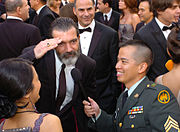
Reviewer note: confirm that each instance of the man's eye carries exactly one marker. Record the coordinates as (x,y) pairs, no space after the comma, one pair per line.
(61,44)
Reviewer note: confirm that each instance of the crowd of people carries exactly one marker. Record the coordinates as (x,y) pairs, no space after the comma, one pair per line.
(89,65)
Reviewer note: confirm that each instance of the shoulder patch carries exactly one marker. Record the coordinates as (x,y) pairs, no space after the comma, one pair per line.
(163,97)
(171,125)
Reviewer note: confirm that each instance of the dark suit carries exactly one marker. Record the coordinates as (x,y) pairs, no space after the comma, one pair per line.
(143,111)
(45,18)
(154,37)
(15,35)
(45,68)
(113,21)
(139,26)
(104,49)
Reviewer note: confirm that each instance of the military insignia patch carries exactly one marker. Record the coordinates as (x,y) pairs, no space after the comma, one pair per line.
(171,125)
(163,97)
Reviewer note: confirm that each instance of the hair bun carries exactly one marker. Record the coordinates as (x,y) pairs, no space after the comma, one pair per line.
(7,108)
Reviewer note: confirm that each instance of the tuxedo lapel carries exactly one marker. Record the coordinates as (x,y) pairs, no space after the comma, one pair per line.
(51,70)
(133,99)
(111,20)
(158,35)
(94,40)
(101,18)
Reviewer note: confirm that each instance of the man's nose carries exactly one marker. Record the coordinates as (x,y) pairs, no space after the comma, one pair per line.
(68,47)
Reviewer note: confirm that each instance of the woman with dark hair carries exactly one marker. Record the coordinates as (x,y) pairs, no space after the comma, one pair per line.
(19,91)
(128,20)
(172,78)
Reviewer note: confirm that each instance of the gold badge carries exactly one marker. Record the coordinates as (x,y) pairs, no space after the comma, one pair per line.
(164,97)
(171,125)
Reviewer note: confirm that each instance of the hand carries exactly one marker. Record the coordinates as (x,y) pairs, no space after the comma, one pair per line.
(44,46)
(91,108)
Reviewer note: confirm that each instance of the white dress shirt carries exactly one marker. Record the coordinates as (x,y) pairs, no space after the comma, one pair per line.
(13,17)
(161,25)
(85,38)
(38,11)
(69,80)
(108,15)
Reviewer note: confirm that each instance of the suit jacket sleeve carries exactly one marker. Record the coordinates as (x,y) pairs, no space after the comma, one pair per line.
(103,124)
(28,53)
(114,53)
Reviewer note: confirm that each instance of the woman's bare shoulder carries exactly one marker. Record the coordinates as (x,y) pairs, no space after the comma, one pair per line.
(51,122)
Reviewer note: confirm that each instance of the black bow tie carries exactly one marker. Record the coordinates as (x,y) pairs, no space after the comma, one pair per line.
(167,28)
(85,29)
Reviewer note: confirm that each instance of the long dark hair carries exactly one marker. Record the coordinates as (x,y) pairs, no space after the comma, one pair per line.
(173,43)
(16,77)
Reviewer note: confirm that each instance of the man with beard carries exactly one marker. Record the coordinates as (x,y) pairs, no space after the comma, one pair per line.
(49,65)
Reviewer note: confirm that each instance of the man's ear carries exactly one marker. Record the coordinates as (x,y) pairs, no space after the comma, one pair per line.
(106,4)
(18,10)
(142,67)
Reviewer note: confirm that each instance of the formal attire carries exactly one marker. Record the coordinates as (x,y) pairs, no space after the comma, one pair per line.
(149,107)
(43,21)
(153,36)
(101,44)
(126,32)
(37,123)
(139,26)
(72,114)
(15,35)
(113,19)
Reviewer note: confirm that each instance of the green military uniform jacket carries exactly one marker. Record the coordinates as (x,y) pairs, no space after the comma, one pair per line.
(150,108)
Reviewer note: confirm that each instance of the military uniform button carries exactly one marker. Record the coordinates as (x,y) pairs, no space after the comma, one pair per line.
(120,124)
(132,126)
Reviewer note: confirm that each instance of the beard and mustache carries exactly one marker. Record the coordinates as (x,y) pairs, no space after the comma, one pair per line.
(69,58)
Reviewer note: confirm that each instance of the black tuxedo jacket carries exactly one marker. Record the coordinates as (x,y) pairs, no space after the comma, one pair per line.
(139,26)
(113,21)
(154,37)
(15,35)
(45,68)
(46,17)
(104,49)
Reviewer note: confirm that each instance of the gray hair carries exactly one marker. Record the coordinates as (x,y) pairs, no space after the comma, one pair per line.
(63,24)
(11,5)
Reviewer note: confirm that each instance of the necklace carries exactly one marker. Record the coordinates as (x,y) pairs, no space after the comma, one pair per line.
(34,111)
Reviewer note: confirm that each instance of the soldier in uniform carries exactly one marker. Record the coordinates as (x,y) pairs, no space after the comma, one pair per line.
(144,106)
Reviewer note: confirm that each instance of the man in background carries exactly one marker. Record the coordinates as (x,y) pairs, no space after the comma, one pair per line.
(145,13)
(107,15)
(15,34)
(155,33)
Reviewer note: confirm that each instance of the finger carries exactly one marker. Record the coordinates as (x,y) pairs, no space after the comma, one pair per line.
(91,100)
(86,102)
